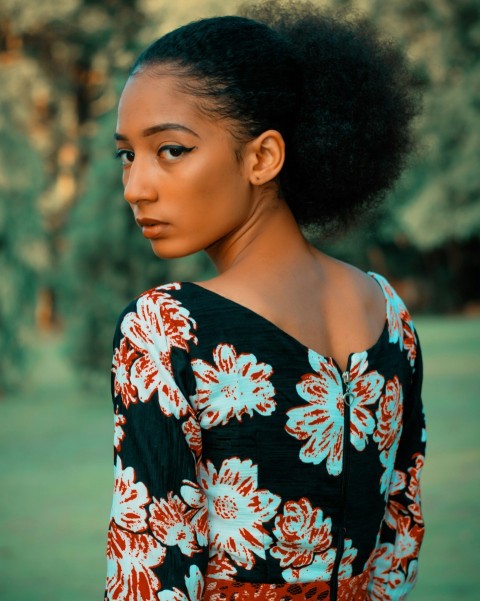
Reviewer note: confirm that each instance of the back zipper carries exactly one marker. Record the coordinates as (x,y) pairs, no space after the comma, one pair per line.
(347,398)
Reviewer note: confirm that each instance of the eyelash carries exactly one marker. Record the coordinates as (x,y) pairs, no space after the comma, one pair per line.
(123,153)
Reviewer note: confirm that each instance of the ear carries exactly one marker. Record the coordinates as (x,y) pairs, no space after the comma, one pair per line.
(264,157)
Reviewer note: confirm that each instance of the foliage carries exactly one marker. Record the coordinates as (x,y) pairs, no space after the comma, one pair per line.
(107,262)
(69,250)
(23,253)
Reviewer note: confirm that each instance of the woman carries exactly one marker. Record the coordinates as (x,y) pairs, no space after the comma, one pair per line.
(269,426)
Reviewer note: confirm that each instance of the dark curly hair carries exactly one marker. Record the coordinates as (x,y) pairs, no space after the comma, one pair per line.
(341,97)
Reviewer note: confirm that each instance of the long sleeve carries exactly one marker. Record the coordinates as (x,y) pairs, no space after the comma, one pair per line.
(157,539)
(394,562)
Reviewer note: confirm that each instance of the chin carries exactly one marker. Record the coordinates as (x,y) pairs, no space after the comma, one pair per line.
(164,250)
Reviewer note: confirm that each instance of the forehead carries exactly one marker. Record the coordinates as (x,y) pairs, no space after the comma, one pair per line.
(149,99)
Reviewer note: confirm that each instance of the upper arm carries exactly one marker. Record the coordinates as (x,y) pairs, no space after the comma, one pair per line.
(153,542)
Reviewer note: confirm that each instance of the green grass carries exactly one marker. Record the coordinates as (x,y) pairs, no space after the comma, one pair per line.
(56,475)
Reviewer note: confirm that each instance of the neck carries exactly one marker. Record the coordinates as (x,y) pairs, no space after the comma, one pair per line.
(269,238)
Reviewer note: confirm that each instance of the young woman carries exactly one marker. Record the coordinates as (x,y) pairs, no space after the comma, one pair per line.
(269,426)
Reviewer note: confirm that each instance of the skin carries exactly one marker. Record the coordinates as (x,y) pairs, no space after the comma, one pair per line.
(210,200)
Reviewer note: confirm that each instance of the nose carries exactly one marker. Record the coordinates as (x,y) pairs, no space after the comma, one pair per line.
(139,183)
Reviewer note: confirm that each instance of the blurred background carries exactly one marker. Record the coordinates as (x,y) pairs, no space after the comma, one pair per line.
(71,258)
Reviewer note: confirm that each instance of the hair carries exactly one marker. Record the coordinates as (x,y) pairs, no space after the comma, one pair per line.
(341,97)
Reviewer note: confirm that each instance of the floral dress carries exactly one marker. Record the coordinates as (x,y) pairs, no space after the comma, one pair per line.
(248,466)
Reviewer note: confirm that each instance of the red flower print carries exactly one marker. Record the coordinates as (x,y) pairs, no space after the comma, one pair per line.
(233,492)
(194,584)
(365,387)
(129,499)
(159,324)
(301,532)
(408,541)
(413,491)
(380,569)
(387,582)
(219,567)
(119,434)
(389,415)
(170,523)
(321,422)
(130,558)
(409,341)
(304,543)
(234,386)
(195,498)
(193,436)
(123,359)
(414,475)
(349,554)
(400,324)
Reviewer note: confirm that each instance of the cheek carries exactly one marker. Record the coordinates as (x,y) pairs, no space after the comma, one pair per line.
(217,188)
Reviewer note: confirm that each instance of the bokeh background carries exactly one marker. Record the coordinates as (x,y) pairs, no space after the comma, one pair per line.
(71,258)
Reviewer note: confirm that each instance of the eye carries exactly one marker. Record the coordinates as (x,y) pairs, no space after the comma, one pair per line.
(170,152)
(126,156)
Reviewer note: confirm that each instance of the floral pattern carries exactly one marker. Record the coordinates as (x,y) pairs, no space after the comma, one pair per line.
(170,523)
(119,434)
(129,499)
(194,584)
(400,324)
(236,385)
(236,509)
(131,558)
(241,466)
(142,365)
(321,423)
(303,539)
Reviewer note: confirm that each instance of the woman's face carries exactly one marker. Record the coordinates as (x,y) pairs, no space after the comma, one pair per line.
(181,176)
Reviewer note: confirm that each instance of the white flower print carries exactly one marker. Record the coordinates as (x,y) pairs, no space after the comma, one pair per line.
(408,541)
(195,498)
(130,559)
(123,358)
(119,434)
(413,492)
(170,523)
(380,565)
(301,532)
(394,508)
(193,436)
(365,389)
(129,499)
(159,324)
(349,554)
(400,324)
(321,422)
(194,584)
(389,415)
(232,494)
(235,385)
(387,581)
(220,568)
(387,459)
(304,544)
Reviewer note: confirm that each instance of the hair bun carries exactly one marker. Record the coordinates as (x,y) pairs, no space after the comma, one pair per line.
(353,132)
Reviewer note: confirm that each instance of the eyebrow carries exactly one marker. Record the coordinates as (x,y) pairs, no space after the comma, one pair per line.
(155,129)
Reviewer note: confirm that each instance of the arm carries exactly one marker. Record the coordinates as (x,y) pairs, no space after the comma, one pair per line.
(395,559)
(155,543)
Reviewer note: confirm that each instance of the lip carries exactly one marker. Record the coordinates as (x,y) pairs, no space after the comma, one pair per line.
(152,228)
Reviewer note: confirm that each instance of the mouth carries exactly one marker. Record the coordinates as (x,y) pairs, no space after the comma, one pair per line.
(152,228)
(147,221)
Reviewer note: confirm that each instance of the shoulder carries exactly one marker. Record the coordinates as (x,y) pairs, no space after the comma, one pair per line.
(401,328)
(158,317)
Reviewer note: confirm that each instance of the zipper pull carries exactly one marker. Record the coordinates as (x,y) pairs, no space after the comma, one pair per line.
(347,395)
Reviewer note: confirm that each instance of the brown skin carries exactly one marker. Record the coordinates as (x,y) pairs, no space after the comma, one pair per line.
(210,200)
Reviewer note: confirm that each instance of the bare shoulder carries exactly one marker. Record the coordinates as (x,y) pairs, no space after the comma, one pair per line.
(356,284)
